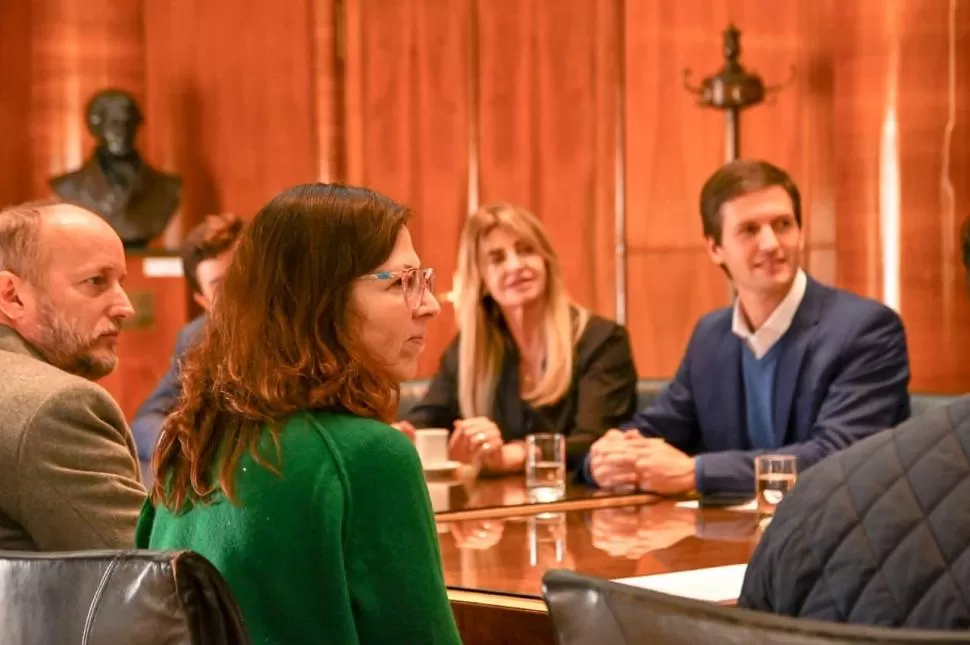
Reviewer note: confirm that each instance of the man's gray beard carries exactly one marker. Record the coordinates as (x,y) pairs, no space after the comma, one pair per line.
(66,348)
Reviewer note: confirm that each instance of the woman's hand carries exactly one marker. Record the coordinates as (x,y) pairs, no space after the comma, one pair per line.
(406,428)
(510,458)
(474,439)
(479,535)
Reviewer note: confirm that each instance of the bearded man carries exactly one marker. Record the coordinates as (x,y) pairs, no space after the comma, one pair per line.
(69,477)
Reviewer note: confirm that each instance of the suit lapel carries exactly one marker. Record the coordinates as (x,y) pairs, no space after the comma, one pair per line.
(797,341)
(730,383)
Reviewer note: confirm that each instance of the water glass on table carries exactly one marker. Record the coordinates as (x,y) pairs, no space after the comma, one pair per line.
(547,539)
(545,467)
(775,476)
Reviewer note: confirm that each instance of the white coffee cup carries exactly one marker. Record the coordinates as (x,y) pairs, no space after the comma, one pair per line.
(432,446)
(440,497)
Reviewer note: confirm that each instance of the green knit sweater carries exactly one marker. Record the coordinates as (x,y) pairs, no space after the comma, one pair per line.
(341,548)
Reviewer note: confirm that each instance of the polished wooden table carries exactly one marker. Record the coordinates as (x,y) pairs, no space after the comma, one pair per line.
(496,546)
(466,496)
(510,555)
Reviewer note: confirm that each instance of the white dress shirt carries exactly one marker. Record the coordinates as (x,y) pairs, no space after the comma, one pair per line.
(765,337)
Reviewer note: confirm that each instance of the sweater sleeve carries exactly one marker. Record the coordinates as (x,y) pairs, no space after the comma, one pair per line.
(394,570)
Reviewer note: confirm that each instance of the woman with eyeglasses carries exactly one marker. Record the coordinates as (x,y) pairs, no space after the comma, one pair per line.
(277,464)
(526,359)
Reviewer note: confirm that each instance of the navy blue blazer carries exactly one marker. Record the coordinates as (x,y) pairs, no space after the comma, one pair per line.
(843,376)
(151,414)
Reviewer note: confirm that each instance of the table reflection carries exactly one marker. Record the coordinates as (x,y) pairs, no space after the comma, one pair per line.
(466,491)
(510,554)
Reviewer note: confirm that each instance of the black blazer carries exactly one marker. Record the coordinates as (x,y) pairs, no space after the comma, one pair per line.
(603,393)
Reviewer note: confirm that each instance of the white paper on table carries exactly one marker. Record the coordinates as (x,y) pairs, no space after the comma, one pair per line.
(748,506)
(715,584)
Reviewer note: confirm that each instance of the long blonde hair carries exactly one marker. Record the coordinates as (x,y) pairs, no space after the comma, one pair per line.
(481,346)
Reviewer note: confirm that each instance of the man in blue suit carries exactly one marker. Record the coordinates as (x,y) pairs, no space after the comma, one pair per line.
(794,367)
(205,256)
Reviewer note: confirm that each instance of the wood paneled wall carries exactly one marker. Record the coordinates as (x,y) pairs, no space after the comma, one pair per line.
(15,77)
(231,101)
(406,101)
(547,76)
(77,47)
(903,164)
(573,108)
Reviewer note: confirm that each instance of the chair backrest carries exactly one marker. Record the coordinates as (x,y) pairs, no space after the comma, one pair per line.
(116,598)
(591,610)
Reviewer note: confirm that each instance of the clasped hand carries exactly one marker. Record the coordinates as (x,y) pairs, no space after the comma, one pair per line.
(630,460)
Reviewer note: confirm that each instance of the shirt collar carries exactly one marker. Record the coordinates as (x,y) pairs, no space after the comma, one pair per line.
(780,320)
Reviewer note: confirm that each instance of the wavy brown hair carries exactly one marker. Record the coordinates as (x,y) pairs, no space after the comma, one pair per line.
(279,338)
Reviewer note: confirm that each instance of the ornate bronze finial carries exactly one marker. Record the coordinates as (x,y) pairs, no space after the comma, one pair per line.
(732,89)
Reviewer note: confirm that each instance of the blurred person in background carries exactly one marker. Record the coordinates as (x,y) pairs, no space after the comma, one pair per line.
(205,255)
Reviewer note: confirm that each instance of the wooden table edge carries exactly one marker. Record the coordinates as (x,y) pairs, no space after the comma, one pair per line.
(504,601)
(547,507)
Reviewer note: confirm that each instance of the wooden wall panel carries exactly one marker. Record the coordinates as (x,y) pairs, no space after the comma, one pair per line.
(78,47)
(547,78)
(15,115)
(329,51)
(407,125)
(231,101)
(898,225)
(672,145)
(935,303)
(862,48)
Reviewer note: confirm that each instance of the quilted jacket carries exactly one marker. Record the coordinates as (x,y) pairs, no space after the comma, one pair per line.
(878,533)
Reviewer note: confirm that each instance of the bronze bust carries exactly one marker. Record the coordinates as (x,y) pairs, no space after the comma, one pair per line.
(137,200)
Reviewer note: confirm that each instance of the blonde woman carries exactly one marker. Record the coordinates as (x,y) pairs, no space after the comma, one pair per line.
(526,358)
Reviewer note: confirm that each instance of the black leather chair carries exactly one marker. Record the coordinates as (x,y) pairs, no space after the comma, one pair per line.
(116,598)
(591,610)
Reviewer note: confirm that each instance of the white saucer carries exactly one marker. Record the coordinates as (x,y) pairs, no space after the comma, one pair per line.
(442,467)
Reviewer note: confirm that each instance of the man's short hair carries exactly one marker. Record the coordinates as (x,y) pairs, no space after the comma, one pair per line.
(210,239)
(20,251)
(739,178)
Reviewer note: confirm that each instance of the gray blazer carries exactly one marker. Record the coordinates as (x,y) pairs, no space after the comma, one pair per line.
(69,477)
